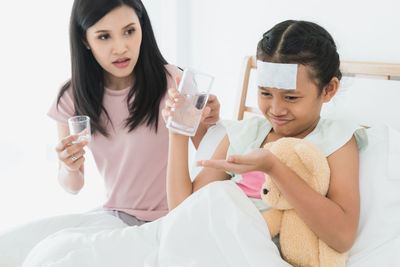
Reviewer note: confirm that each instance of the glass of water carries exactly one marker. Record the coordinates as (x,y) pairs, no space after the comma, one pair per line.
(80,125)
(194,89)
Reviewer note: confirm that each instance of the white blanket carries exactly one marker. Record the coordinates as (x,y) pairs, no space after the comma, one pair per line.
(216,226)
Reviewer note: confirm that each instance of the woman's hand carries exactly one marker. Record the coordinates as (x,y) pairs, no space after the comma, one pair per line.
(71,155)
(170,104)
(256,160)
(210,114)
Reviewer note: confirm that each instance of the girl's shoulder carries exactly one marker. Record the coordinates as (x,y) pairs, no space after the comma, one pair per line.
(248,133)
(253,122)
(331,134)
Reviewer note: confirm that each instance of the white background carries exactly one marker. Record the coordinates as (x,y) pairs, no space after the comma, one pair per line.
(211,35)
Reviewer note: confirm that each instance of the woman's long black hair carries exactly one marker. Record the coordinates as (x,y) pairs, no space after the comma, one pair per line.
(87,76)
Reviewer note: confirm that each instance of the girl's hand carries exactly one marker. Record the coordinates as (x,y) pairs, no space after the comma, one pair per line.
(71,155)
(256,160)
(210,114)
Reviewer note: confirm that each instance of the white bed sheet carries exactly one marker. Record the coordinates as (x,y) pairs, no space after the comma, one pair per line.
(216,226)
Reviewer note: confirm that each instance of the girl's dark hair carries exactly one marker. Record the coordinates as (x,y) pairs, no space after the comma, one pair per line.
(87,77)
(304,43)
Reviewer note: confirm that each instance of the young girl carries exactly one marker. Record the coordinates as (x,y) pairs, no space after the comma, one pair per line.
(120,80)
(290,96)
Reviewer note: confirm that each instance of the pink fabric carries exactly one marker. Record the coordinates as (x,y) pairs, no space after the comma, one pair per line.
(134,165)
(251,183)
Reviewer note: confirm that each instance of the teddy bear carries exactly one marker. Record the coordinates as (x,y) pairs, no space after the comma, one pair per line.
(299,245)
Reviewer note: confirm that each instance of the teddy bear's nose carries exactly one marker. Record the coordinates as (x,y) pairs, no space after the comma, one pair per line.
(265,191)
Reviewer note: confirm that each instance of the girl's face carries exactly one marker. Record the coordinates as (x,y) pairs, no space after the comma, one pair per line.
(115,43)
(294,113)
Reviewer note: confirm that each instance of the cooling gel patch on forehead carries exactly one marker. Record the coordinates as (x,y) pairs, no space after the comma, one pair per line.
(276,75)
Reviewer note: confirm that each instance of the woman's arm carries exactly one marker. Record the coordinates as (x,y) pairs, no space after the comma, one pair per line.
(70,173)
(179,184)
(334,218)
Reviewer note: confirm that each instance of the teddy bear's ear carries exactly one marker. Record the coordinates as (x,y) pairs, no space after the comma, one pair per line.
(316,163)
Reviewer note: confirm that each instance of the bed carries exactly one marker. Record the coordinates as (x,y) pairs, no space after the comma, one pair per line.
(219,226)
(368,94)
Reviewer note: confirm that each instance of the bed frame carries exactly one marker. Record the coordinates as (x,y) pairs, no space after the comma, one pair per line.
(385,71)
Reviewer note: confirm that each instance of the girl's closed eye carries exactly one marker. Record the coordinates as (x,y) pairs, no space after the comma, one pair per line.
(265,94)
(292,98)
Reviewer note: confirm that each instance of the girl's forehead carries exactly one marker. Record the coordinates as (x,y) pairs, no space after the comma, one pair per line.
(304,82)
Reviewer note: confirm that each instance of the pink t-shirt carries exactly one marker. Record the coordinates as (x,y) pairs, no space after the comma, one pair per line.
(251,183)
(133,164)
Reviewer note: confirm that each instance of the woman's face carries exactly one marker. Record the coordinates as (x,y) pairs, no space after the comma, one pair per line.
(293,113)
(115,43)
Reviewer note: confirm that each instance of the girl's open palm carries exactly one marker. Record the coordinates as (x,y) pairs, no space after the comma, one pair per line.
(256,160)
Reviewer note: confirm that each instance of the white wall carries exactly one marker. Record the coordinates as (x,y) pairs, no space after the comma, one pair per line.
(222,32)
(34,63)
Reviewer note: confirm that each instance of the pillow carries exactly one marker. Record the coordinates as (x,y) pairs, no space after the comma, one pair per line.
(379,191)
(394,154)
(358,99)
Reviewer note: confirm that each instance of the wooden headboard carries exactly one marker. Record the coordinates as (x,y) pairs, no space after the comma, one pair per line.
(386,71)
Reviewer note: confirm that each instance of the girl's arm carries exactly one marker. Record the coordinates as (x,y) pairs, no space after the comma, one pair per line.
(179,184)
(334,218)
(70,173)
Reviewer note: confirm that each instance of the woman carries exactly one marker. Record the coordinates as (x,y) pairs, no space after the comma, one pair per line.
(119,79)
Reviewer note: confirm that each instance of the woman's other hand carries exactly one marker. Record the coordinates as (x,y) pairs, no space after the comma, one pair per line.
(211,112)
(71,155)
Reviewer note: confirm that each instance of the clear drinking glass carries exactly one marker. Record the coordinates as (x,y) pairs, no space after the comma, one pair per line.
(80,125)
(194,89)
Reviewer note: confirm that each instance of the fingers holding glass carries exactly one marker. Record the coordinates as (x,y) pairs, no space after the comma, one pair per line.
(171,103)
(211,112)
(73,154)
(193,94)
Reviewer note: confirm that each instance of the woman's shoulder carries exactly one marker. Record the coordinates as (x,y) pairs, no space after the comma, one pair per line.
(173,70)
(65,88)
(63,104)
